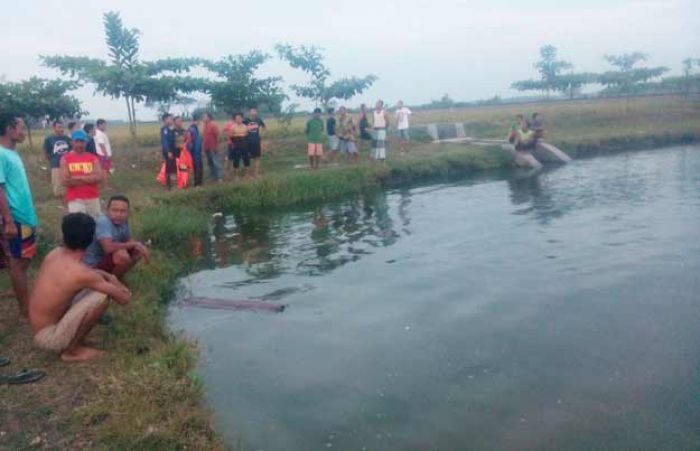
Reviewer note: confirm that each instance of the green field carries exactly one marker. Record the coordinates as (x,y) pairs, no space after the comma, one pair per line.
(145,393)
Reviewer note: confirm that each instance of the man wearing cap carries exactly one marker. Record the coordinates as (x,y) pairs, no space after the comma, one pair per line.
(81,174)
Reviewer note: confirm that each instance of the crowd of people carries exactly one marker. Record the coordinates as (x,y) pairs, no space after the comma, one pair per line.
(184,149)
(75,281)
(346,134)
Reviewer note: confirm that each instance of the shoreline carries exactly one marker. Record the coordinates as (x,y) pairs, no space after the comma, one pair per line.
(147,393)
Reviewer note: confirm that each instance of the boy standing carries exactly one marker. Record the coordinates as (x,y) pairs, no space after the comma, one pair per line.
(210,143)
(314,137)
(168,150)
(104,149)
(81,174)
(333,141)
(402,124)
(193,143)
(255,126)
(16,207)
(55,146)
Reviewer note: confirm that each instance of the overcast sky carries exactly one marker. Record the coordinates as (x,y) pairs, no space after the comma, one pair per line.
(419,49)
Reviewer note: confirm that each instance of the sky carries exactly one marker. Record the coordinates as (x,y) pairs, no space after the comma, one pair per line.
(419,49)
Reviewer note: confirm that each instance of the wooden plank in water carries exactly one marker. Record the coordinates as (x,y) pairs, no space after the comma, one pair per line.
(227,304)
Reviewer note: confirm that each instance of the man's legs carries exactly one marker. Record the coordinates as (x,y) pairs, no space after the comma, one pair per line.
(76,352)
(198,170)
(170,172)
(18,277)
(122,262)
(214,163)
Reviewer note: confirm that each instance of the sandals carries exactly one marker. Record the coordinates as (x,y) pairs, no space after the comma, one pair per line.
(23,377)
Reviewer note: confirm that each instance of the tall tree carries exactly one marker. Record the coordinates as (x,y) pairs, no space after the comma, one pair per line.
(37,98)
(690,78)
(552,76)
(319,89)
(124,75)
(237,86)
(628,76)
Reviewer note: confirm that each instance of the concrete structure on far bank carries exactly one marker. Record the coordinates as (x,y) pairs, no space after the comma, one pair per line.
(543,153)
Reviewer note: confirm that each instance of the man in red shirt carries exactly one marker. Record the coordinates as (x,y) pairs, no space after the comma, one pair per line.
(81,174)
(210,145)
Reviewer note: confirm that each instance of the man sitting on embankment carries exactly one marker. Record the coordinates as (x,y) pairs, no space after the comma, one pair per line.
(69,297)
(112,249)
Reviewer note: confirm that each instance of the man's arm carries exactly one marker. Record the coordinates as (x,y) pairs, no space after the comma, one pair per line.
(9,228)
(47,148)
(108,284)
(66,179)
(109,246)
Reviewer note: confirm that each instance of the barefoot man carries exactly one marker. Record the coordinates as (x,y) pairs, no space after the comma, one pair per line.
(69,297)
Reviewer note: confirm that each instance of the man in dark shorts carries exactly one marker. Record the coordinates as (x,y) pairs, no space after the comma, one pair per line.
(168,150)
(19,219)
(112,249)
(237,133)
(255,126)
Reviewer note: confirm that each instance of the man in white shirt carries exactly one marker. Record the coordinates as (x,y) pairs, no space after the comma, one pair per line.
(402,116)
(104,149)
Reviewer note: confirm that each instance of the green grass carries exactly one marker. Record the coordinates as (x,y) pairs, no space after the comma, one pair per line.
(145,394)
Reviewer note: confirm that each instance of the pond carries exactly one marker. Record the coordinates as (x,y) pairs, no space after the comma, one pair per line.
(558,310)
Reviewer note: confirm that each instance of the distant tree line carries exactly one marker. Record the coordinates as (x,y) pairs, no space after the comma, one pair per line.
(232,82)
(626,77)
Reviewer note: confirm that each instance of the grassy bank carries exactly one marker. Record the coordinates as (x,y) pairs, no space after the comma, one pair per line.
(144,394)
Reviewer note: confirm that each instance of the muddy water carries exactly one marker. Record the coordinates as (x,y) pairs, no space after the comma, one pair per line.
(558,310)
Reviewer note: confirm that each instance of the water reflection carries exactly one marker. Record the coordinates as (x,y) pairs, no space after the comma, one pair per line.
(311,243)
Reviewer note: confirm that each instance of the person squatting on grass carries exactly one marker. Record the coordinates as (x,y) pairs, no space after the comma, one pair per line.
(314,138)
(112,249)
(237,133)
(56,145)
(81,174)
(69,297)
(16,208)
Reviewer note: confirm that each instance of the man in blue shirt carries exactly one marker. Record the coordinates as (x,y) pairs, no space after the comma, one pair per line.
(113,250)
(16,208)
(193,142)
(168,149)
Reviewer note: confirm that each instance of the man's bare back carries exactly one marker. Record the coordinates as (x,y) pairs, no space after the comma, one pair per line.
(61,278)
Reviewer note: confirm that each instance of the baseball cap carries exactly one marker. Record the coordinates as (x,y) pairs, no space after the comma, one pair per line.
(79,135)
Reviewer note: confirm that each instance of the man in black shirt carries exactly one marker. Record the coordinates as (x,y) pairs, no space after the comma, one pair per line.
(55,146)
(333,141)
(255,127)
(168,149)
(90,130)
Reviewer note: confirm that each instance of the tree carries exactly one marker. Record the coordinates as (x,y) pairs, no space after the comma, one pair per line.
(311,61)
(573,82)
(125,76)
(237,87)
(550,69)
(628,76)
(690,79)
(37,98)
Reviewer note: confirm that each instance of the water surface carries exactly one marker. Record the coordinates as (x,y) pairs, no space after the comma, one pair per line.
(519,311)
